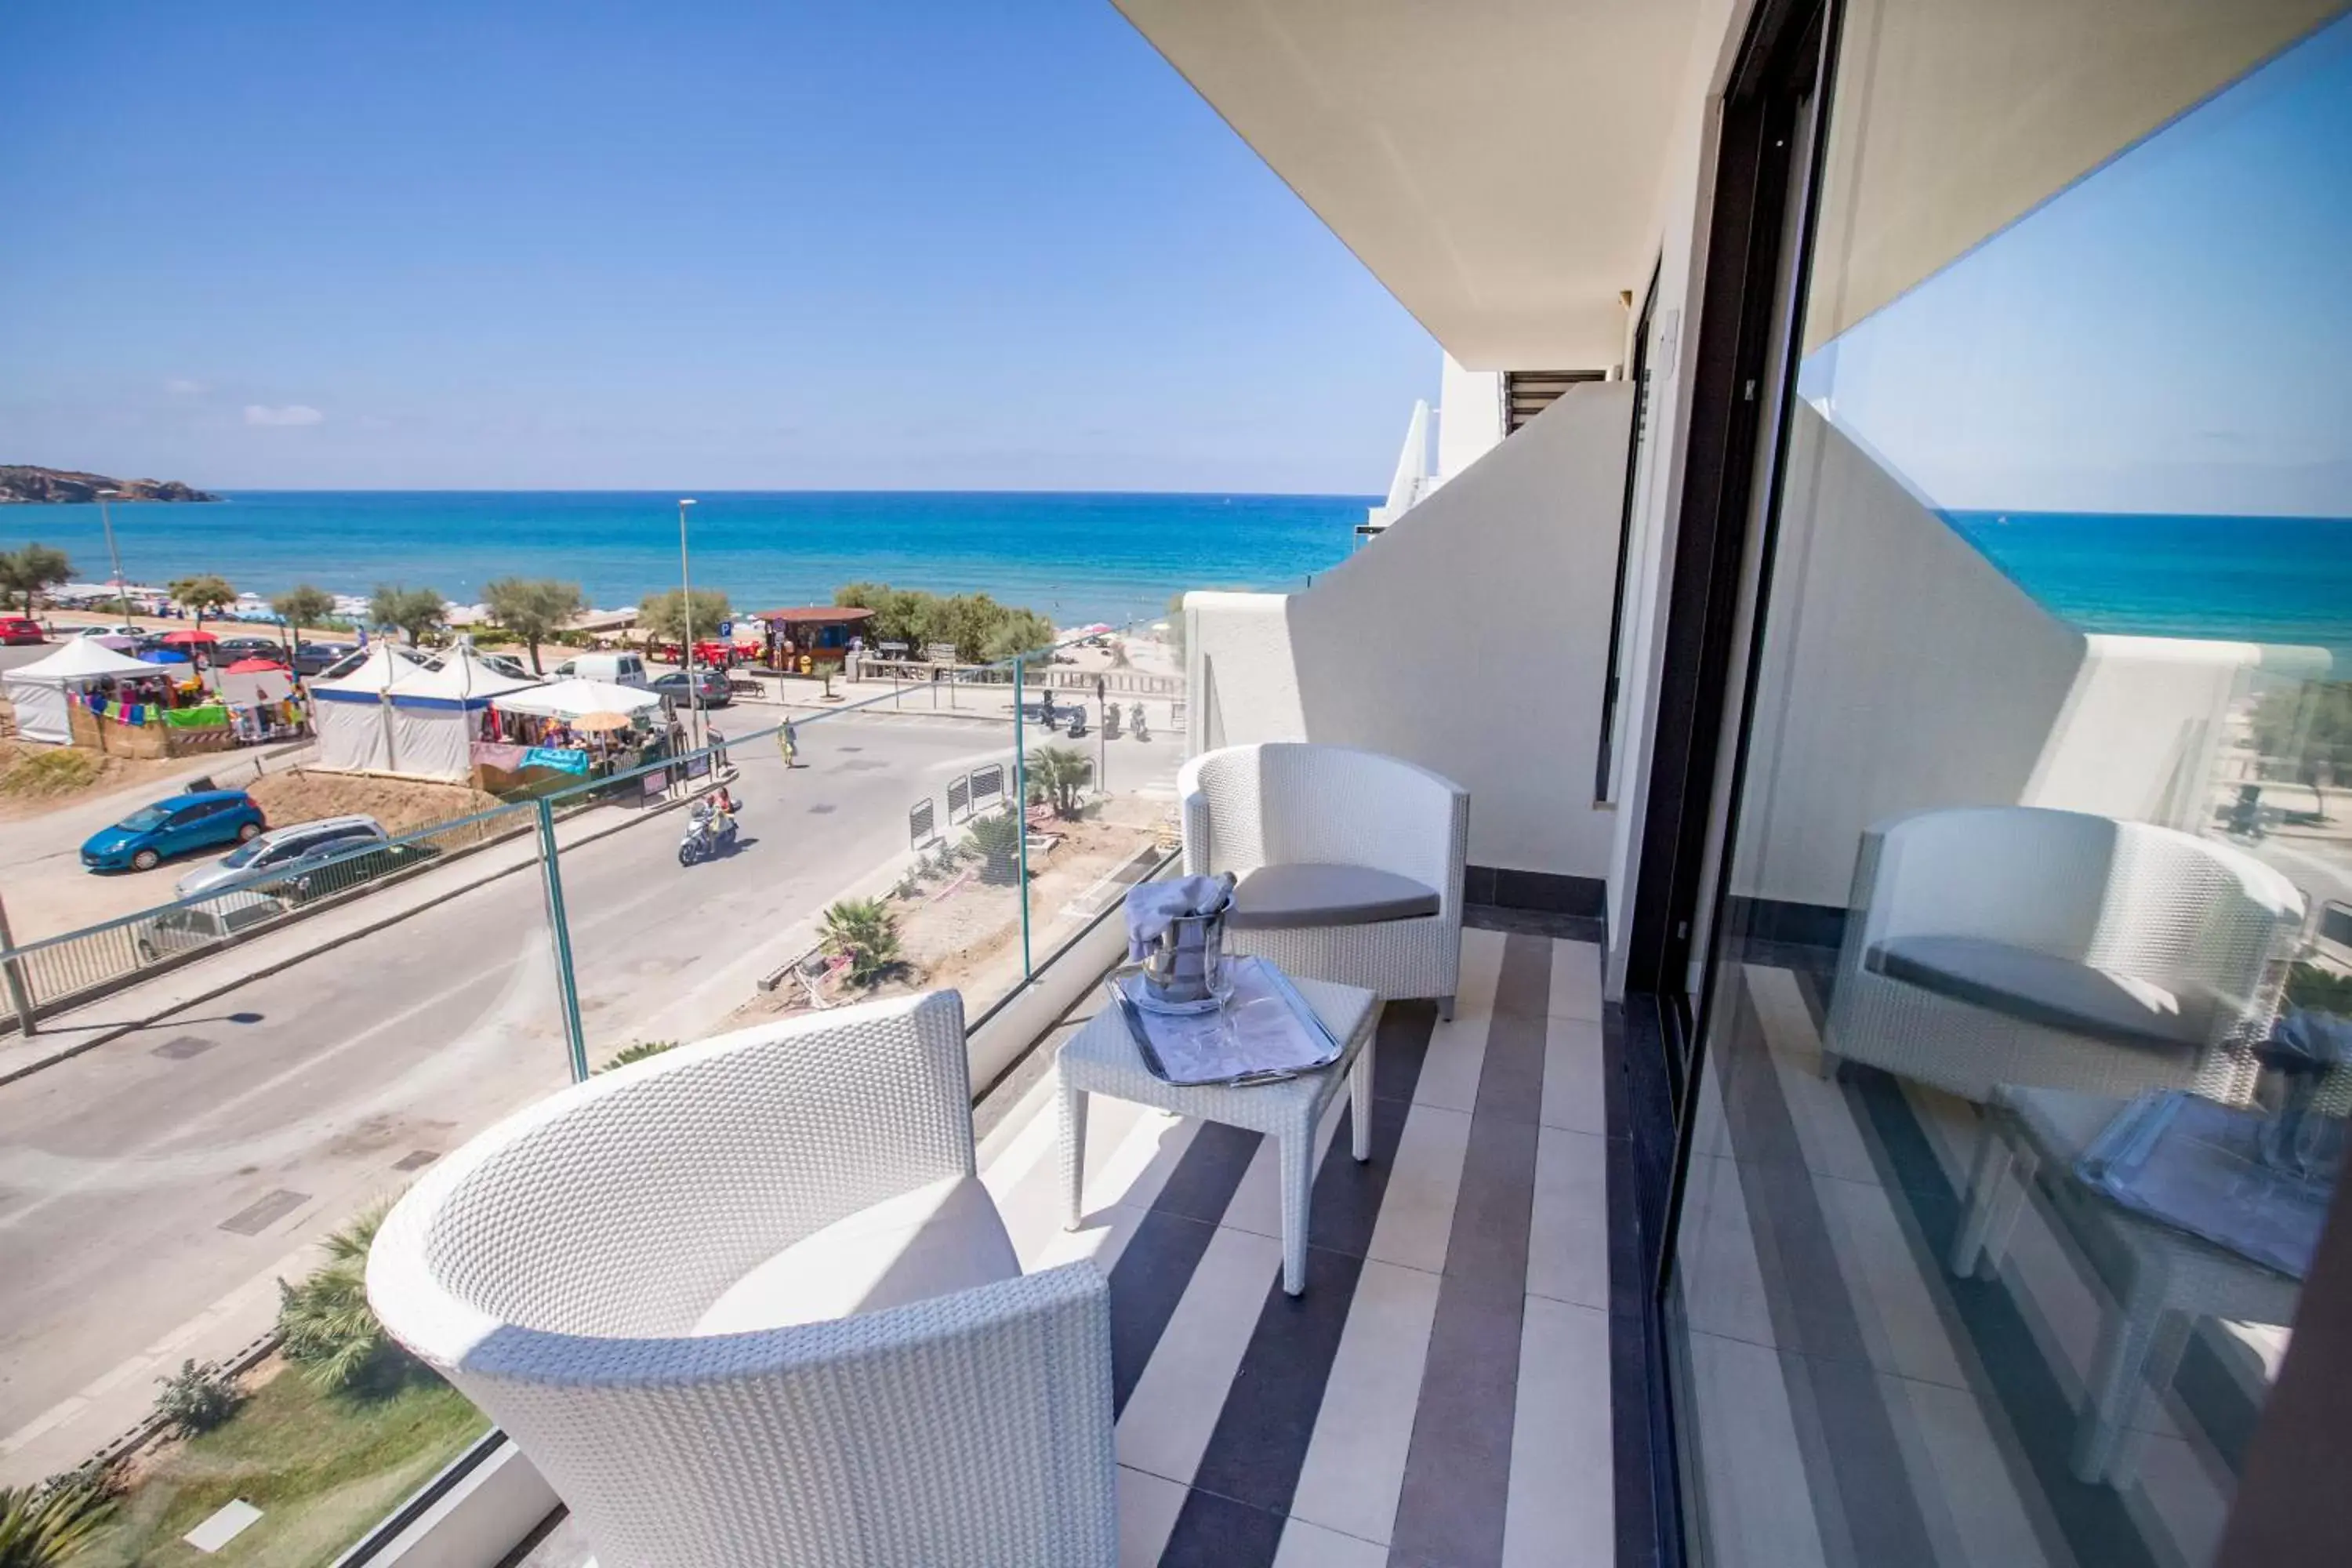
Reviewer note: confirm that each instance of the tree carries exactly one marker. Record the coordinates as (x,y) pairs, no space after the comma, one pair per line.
(415,611)
(325,1323)
(303,605)
(1019,632)
(659,614)
(2306,730)
(865,933)
(32,571)
(203,592)
(533,608)
(1061,773)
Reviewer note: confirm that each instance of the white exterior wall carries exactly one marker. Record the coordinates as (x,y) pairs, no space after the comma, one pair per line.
(1470,638)
(1469,417)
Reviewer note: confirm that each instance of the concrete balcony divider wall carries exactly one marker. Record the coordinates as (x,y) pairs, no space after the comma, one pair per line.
(1916,675)
(1470,637)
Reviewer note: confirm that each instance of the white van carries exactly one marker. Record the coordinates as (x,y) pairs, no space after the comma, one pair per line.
(613,668)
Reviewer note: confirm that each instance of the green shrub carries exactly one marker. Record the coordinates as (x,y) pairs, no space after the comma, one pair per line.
(42,1526)
(325,1325)
(637,1051)
(198,1397)
(1060,775)
(996,840)
(867,933)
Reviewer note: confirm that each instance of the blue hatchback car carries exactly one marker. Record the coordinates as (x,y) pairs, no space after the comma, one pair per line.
(205,820)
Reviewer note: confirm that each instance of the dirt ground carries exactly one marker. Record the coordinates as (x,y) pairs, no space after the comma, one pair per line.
(111,774)
(956,931)
(403,805)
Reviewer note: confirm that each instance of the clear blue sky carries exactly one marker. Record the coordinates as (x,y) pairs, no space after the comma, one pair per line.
(782,245)
(2171,334)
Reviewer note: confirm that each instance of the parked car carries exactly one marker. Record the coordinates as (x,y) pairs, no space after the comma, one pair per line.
(17,630)
(615,668)
(193,926)
(508,664)
(318,657)
(203,820)
(228,650)
(118,629)
(283,854)
(709,686)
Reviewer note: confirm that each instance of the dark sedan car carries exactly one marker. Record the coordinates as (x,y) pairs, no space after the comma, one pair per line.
(314,657)
(711,687)
(228,650)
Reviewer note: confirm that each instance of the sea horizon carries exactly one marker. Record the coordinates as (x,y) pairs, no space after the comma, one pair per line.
(1076,556)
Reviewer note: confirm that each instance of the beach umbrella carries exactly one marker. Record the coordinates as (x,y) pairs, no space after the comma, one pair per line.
(189,635)
(597,723)
(162,655)
(253,667)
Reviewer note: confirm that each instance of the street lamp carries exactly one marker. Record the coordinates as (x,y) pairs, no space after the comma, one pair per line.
(686,630)
(113,557)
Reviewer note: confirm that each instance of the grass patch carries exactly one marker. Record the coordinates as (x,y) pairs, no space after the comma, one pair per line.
(322,1467)
(39,775)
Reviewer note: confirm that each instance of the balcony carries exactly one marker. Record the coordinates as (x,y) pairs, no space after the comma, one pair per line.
(1439,1394)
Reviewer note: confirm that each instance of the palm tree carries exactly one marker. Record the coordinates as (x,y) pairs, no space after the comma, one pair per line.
(533,609)
(303,605)
(325,1323)
(201,592)
(867,933)
(42,1526)
(1061,773)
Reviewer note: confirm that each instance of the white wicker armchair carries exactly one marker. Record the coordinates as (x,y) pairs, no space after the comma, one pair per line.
(575,1272)
(1309,816)
(1997,945)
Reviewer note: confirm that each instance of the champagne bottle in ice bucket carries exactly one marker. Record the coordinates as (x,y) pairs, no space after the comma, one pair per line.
(1186,966)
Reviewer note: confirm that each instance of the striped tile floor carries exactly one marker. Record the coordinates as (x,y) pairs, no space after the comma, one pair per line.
(1440,1395)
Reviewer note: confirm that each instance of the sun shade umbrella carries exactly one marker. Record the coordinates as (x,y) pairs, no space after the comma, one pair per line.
(252,667)
(188,635)
(595,723)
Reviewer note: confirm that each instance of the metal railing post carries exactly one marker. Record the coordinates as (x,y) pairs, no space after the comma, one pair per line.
(559,930)
(1020,816)
(18,997)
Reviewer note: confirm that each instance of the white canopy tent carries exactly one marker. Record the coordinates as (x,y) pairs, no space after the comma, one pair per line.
(355,719)
(435,713)
(40,689)
(577,699)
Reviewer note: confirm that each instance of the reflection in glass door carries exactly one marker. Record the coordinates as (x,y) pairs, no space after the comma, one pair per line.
(2023,1054)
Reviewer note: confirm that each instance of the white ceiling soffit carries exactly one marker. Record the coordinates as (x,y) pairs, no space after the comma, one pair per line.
(1952,118)
(1495,163)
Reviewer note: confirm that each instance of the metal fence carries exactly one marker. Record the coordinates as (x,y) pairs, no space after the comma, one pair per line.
(52,973)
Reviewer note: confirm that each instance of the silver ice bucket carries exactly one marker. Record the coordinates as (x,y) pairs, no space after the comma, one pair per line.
(1187,963)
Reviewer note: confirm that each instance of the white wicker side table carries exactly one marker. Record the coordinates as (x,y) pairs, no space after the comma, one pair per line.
(1102,1060)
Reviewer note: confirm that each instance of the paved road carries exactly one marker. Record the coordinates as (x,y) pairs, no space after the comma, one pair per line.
(294,1101)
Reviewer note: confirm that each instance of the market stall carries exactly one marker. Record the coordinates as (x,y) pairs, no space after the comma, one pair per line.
(45,691)
(575,728)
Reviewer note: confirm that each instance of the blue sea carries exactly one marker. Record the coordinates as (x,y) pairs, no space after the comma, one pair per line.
(1079,557)
(2285,580)
(1076,558)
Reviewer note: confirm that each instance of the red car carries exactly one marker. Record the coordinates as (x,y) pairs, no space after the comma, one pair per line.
(15,630)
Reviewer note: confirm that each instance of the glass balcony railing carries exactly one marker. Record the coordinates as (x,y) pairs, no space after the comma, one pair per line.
(219,1095)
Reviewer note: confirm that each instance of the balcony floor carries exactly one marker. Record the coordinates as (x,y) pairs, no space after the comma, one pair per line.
(1440,1397)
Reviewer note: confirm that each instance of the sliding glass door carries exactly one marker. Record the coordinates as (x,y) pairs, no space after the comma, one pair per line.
(2016,1057)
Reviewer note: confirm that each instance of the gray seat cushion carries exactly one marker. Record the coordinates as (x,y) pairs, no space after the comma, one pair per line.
(2045,989)
(1284,898)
